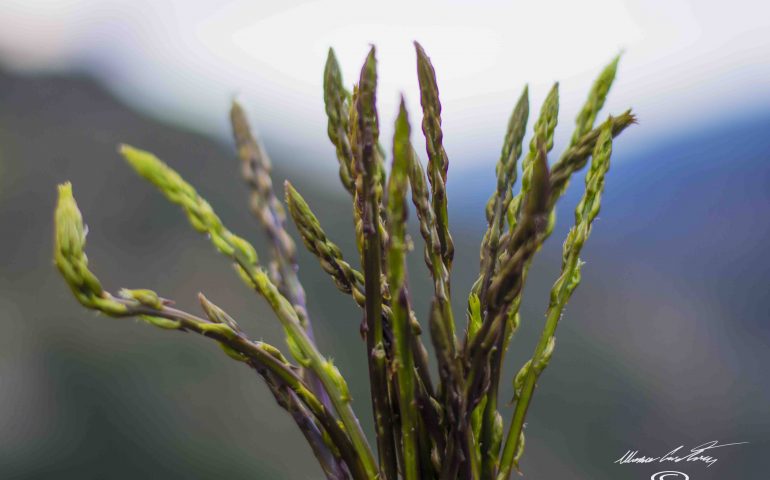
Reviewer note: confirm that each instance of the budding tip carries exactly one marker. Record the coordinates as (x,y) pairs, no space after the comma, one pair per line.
(131,154)
(235,105)
(65,189)
(288,188)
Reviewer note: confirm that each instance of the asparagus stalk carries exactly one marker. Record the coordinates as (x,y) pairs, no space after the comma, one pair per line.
(559,180)
(438,163)
(404,362)
(496,208)
(568,280)
(368,194)
(202,218)
(544,131)
(71,260)
(346,278)
(456,431)
(337,101)
(256,168)
(576,156)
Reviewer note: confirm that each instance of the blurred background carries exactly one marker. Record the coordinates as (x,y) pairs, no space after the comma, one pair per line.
(665,343)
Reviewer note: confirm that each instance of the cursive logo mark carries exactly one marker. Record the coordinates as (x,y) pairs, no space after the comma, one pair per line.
(677,455)
(670,475)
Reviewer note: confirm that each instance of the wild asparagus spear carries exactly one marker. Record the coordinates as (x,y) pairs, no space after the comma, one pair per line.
(397,213)
(256,168)
(568,280)
(369,194)
(202,218)
(288,388)
(438,163)
(452,432)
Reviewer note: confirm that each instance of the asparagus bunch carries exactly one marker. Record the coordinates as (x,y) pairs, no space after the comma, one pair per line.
(446,428)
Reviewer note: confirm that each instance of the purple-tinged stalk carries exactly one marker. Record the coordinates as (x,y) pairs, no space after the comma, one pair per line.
(256,168)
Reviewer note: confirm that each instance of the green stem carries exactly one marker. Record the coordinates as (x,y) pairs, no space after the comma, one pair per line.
(402,329)
(585,213)
(376,350)
(330,378)
(369,190)
(264,356)
(256,170)
(507,460)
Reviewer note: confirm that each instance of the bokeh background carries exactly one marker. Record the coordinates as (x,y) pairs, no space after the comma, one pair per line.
(665,343)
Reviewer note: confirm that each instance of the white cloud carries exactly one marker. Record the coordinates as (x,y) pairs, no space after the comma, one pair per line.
(685,61)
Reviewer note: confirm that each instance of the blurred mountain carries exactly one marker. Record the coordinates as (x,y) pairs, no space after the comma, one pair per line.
(665,342)
(87,397)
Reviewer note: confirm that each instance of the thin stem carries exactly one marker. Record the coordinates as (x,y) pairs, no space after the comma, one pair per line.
(346,278)
(369,191)
(585,213)
(496,208)
(327,373)
(404,360)
(438,162)
(256,170)
(263,356)
(512,442)
(243,254)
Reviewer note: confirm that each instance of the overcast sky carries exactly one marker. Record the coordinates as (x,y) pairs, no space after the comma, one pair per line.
(686,62)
